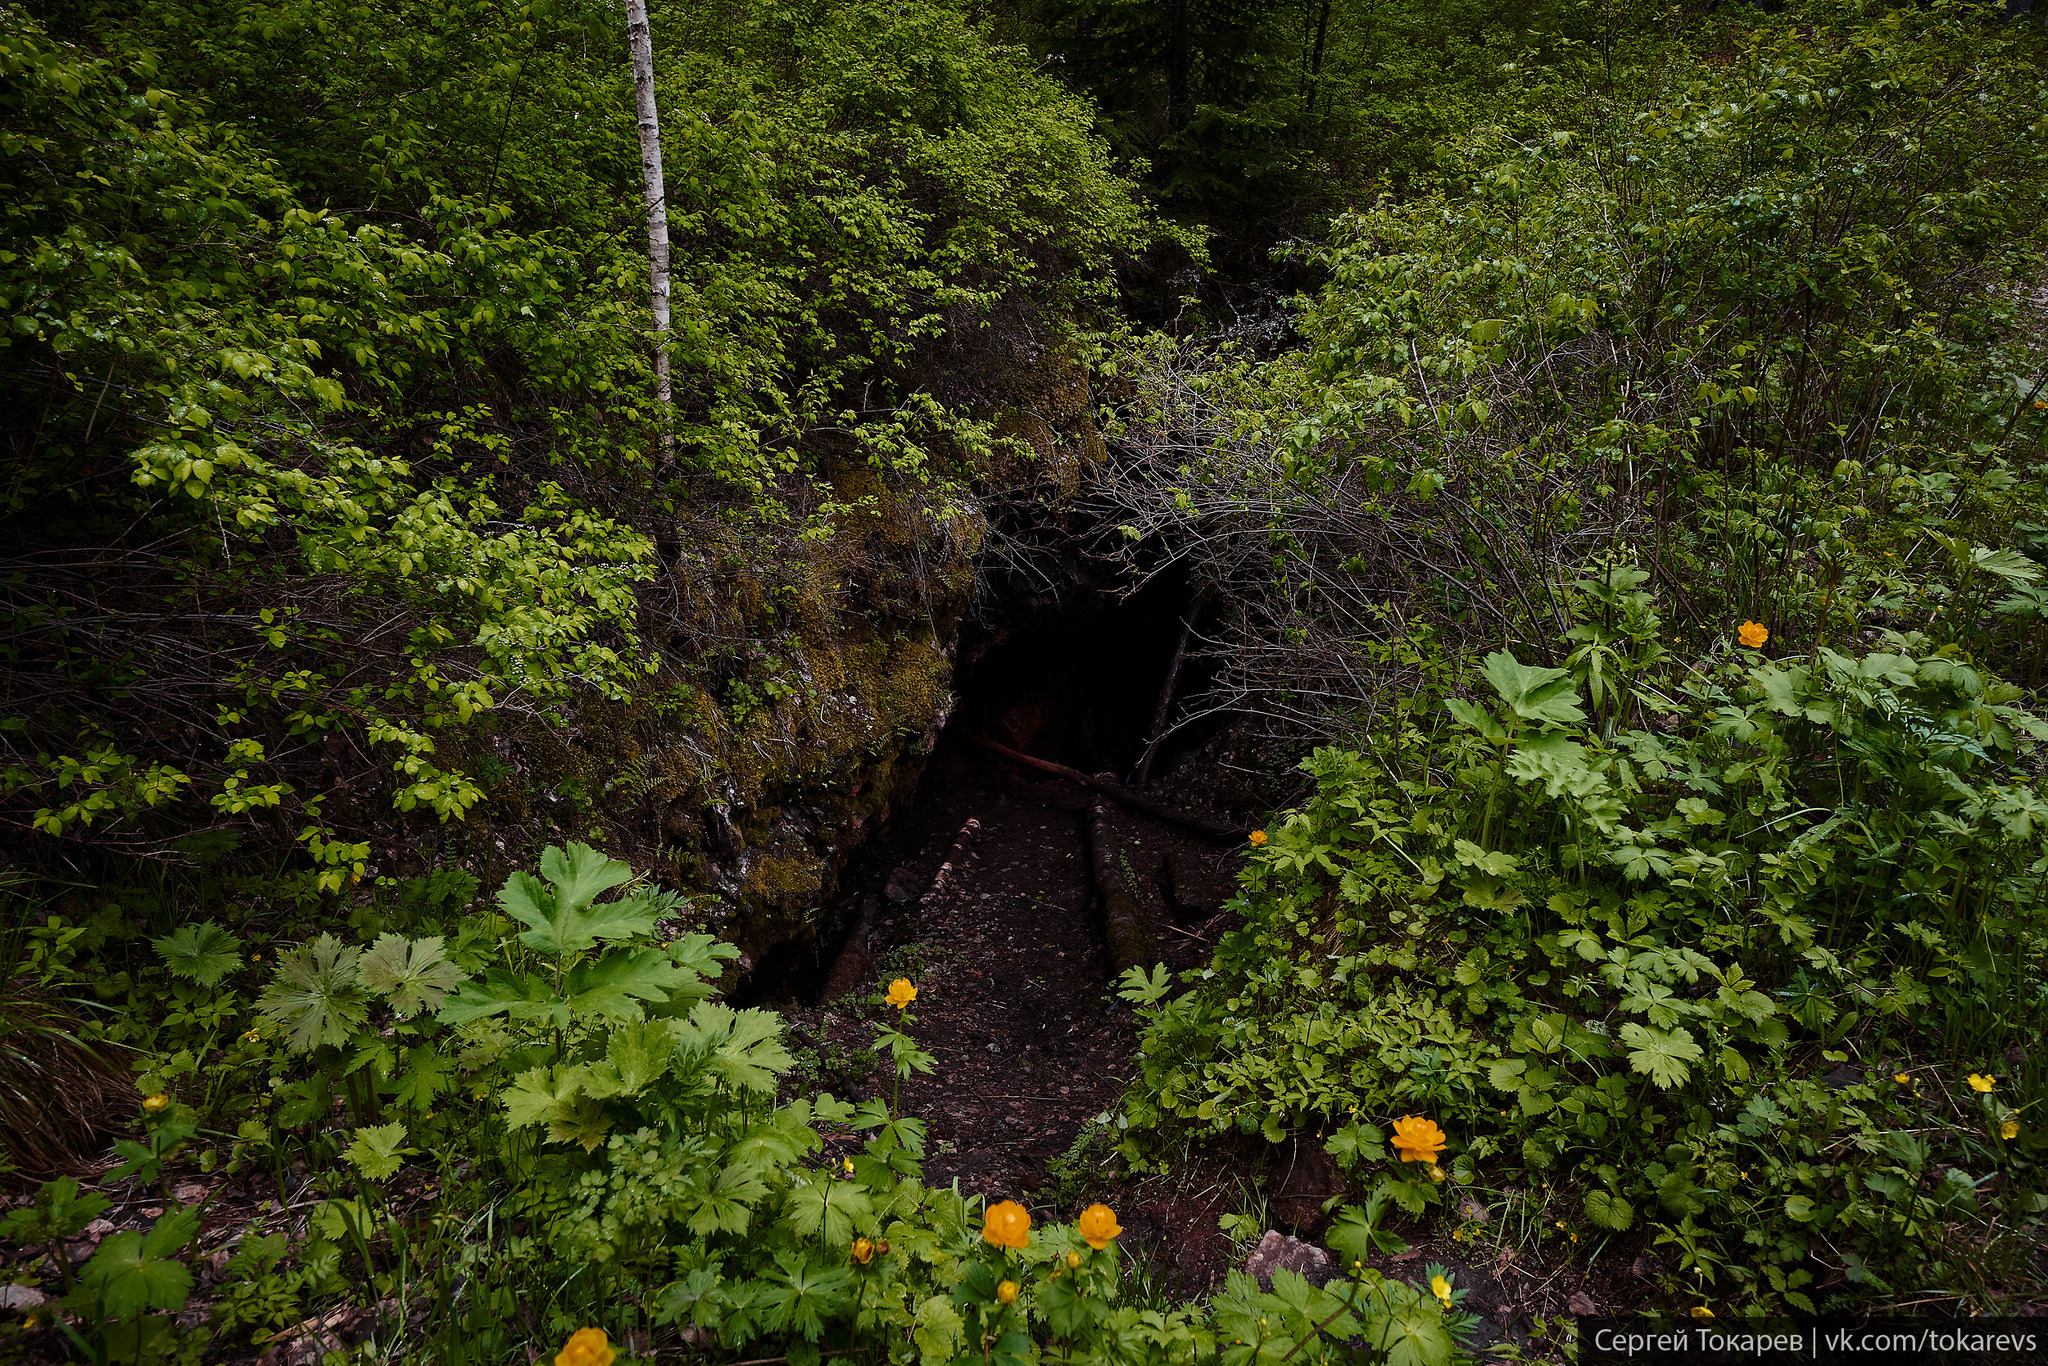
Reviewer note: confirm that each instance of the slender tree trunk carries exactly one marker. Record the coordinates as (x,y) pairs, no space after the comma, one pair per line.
(1315,66)
(641,39)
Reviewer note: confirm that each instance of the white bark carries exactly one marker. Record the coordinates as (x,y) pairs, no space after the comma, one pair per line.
(641,39)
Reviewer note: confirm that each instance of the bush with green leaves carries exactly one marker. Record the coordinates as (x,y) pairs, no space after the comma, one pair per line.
(1746,951)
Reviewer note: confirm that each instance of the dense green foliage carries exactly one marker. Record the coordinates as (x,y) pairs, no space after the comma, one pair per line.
(1647,512)
(332,436)
(1653,926)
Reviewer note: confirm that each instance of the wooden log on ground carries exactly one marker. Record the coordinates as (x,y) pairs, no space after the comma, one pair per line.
(1144,806)
(1124,926)
(855,965)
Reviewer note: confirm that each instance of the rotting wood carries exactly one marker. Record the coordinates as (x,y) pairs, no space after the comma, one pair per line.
(856,962)
(1144,806)
(1124,925)
(954,856)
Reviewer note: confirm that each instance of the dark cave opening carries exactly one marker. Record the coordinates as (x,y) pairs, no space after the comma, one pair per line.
(1075,679)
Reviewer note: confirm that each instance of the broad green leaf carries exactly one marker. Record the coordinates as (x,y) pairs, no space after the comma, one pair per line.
(133,1273)
(536,1095)
(317,995)
(1608,1211)
(744,1046)
(426,1075)
(378,1152)
(936,1331)
(202,953)
(1660,1055)
(822,1204)
(1545,696)
(579,874)
(1476,718)
(501,989)
(613,986)
(414,974)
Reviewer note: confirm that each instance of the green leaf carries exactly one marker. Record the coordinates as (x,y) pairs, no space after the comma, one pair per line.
(133,1272)
(579,874)
(612,986)
(936,1331)
(561,919)
(1545,696)
(316,995)
(1608,1211)
(427,1070)
(202,953)
(501,990)
(378,1152)
(744,1046)
(829,1208)
(415,974)
(537,1095)
(1660,1055)
(1477,718)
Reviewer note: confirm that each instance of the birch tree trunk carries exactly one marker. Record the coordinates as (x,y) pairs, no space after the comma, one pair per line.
(641,39)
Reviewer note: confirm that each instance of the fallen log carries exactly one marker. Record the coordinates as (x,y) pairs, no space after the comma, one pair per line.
(1144,806)
(855,966)
(1124,926)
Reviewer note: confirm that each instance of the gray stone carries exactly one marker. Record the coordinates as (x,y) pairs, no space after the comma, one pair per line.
(1278,1252)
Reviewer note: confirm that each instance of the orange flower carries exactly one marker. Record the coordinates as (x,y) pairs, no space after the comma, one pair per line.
(863,1250)
(1753,635)
(1007,1225)
(1258,838)
(1007,1292)
(586,1347)
(901,993)
(1417,1139)
(1098,1225)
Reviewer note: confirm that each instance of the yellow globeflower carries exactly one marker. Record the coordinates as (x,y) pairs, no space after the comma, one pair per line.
(1007,1224)
(1258,838)
(1901,1078)
(1417,1139)
(1441,1288)
(1007,1292)
(846,1165)
(1753,634)
(901,993)
(1981,1083)
(1700,1311)
(1098,1225)
(863,1250)
(2009,1129)
(1437,1174)
(157,1102)
(1074,1259)
(586,1347)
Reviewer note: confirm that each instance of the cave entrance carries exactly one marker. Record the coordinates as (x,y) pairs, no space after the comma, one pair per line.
(1076,681)
(1080,683)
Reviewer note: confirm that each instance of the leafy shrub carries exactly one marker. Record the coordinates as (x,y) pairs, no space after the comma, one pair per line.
(1717,951)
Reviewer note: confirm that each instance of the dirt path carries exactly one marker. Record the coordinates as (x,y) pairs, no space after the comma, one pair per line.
(1016,998)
